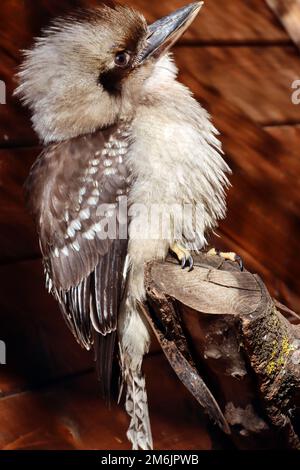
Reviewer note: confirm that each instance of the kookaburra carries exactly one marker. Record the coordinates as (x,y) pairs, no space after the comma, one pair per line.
(122,136)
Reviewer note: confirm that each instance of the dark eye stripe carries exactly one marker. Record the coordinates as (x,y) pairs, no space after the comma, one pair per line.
(111,80)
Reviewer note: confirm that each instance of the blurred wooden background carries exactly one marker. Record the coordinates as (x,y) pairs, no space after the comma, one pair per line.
(240,62)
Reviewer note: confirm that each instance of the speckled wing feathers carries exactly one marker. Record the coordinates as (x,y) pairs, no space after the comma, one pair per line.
(67,188)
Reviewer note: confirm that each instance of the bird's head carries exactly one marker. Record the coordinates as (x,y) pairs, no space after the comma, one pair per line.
(86,71)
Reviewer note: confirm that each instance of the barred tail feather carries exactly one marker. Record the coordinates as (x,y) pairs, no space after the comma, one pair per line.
(134,341)
(139,431)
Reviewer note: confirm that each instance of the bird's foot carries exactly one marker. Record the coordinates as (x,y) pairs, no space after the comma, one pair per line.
(184,256)
(229,256)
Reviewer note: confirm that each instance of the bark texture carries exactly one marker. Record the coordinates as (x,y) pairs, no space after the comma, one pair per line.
(230,345)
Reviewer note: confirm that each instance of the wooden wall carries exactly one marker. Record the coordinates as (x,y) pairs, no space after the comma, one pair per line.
(240,63)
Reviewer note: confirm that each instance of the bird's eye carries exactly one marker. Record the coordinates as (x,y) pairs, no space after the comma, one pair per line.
(122,59)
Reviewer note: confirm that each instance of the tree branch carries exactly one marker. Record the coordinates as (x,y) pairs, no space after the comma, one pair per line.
(231,347)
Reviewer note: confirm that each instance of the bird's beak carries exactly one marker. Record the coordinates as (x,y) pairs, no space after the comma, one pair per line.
(164,33)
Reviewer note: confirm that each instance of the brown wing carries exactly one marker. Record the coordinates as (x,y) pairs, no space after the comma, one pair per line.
(74,190)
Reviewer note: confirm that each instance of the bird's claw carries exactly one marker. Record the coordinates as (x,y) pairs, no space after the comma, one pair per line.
(240,262)
(229,256)
(187,262)
(184,256)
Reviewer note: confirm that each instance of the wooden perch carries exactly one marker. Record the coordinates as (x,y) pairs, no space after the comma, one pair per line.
(222,333)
